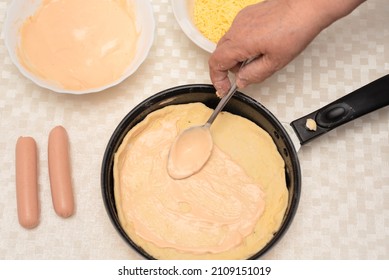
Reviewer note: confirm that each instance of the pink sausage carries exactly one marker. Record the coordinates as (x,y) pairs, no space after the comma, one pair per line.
(60,173)
(27,182)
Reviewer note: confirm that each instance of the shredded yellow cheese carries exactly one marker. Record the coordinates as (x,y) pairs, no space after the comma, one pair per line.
(214,17)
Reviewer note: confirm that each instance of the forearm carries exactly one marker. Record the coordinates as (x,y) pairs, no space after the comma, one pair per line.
(326,11)
(339,8)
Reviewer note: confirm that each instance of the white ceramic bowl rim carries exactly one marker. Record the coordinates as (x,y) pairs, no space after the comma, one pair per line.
(19,10)
(181,13)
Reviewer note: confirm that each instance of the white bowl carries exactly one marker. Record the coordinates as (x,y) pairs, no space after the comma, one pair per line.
(182,10)
(20,10)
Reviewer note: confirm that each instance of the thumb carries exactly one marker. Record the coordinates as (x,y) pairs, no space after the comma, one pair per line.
(256,71)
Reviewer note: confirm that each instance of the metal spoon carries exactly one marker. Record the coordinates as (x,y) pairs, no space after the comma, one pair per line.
(192,147)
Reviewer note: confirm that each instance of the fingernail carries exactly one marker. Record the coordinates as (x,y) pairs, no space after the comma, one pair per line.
(219,90)
(220,93)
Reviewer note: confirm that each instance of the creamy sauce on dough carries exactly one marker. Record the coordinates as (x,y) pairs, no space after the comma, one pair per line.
(228,210)
(79,44)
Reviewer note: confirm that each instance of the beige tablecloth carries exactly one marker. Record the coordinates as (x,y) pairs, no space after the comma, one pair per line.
(344,206)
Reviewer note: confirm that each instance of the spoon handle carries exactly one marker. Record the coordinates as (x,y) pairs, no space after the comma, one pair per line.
(226,97)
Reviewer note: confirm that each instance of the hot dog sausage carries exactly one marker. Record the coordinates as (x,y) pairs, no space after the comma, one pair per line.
(60,173)
(27,182)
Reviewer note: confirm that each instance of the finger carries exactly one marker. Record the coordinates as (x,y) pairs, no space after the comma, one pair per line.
(222,86)
(225,58)
(257,71)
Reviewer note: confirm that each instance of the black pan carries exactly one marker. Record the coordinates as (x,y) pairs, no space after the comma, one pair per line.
(287,137)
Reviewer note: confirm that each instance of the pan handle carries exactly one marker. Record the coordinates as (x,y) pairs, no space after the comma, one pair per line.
(364,100)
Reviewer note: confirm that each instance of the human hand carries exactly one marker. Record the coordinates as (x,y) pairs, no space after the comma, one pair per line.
(275,32)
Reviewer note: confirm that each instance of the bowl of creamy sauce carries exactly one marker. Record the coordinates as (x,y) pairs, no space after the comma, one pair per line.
(72,46)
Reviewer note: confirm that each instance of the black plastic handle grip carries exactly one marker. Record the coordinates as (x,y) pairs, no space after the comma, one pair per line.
(367,99)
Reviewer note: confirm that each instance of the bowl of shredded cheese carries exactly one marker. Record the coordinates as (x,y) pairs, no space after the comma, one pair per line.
(204,21)
(77,47)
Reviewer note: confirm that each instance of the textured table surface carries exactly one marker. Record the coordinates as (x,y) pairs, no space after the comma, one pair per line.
(344,206)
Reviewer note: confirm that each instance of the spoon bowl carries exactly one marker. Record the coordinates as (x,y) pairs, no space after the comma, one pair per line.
(190,151)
